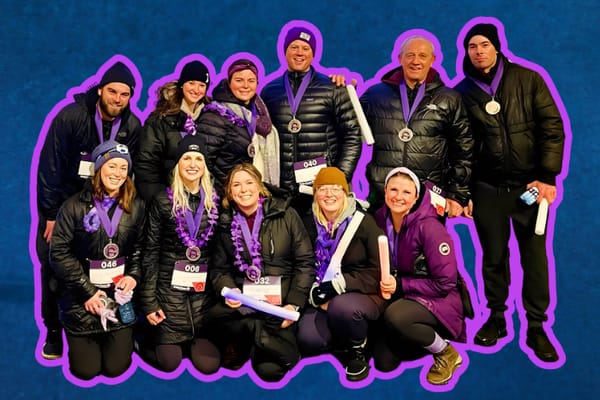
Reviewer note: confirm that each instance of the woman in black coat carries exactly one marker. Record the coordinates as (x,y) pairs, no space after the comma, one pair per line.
(95,253)
(175,293)
(263,250)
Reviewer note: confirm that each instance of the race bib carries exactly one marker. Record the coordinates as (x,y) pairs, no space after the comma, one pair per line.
(104,273)
(86,166)
(188,276)
(305,171)
(265,288)
(438,197)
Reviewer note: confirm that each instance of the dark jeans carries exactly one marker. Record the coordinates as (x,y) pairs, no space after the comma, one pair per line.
(494,209)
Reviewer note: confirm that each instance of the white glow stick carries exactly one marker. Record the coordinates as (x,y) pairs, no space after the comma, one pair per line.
(542,216)
(260,305)
(335,265)
(365,130)
(384,260)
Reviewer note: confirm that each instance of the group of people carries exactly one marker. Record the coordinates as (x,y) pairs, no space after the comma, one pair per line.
(205,199)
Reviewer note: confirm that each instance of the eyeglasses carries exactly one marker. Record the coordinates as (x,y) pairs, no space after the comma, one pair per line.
(333,189)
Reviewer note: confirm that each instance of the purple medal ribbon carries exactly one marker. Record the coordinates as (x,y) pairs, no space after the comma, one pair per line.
(110,225)
(295,100)
(193,221)
(325,246)
(406,109)
(491,90)
(189,126)
(392,241)
(113,130)
(250,126)
(250,239)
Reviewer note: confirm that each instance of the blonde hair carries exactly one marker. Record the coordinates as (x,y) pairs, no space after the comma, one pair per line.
(180,198)
(250,170)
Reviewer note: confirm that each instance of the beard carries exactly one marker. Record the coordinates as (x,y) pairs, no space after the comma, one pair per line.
(110,111)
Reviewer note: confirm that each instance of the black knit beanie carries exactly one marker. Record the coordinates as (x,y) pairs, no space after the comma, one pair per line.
(118,73)
(487,30)
(194,71)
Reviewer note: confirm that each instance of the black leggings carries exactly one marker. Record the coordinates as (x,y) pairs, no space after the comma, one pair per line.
(107,353)
(203,353)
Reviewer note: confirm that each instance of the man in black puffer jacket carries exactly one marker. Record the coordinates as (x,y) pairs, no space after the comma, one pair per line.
(419,123)
(315,119)
(519,138)
(100,114)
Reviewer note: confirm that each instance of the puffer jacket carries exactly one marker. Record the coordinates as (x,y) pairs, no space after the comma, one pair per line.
(71,249)
(184,310)
(73,133)
(442,146)
(155,159)
(286,252)
(430,282)
(329,126)
(525,140)
(360,263)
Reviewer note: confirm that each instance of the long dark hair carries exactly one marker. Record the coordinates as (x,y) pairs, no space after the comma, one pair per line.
(126,191)
(169,97)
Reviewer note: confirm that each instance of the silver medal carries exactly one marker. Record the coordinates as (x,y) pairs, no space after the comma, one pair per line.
(492,107)
(294,125)
(193,253)
(253,273)
(111,251)
(405,134)
(251,150)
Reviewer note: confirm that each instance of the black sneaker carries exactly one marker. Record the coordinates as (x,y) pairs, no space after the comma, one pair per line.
(357,367)
(538,341)
(53,347)
(493,329)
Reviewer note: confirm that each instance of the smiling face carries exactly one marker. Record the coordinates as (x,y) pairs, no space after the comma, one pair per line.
(330,199)
(193,92)
(113,174)
(400,195)
(299,56)
(114,97)
(416,59)
(482,53)
(243,85)
(244,191)
(191,167)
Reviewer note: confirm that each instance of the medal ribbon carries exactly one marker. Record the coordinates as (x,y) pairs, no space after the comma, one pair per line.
(250,125)
(109,224)
(113,130)
(491,90)
(295,100)
(193,221)
(325,246)
(251,239)
(392,240)
(406,109)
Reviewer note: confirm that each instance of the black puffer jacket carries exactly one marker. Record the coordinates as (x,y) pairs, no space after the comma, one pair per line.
(286,252)
(329,126)
(226,142)
(442,146)
(73,133)
(525,140)
(71,249)
(156,156)
(183,310)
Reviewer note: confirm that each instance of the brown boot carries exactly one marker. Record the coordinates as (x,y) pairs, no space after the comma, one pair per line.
(444,364)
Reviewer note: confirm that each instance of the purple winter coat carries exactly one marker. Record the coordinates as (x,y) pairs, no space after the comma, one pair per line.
(434,287)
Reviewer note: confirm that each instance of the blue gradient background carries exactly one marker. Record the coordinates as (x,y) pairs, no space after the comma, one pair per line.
(48,47)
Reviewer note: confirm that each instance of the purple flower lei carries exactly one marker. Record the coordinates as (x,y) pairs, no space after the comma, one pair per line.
(180,223)
(91,221)
(224,111)
(236,237)
(323,246)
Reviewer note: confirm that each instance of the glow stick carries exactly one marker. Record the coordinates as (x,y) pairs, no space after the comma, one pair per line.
(335,265)
(260,305)
(542,216)
(384,260)
(365,130)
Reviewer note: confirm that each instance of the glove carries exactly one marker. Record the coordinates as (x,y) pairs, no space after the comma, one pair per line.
(321,294)
(399,293)
(107,314)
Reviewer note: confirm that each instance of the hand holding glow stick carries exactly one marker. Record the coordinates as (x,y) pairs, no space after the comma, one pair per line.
(384,260)
(360,115)
(542,216)
(260,305)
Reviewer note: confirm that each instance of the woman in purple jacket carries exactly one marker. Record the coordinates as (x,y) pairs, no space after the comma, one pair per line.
(425,308)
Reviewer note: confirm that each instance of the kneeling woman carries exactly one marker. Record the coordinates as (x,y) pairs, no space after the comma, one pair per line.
(263,250)
(95,252)
(175,294)
(346,293)
(426,308)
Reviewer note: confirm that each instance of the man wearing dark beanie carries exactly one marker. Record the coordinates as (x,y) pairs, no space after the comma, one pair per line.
(314,117)
(100,114)
(520,136)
